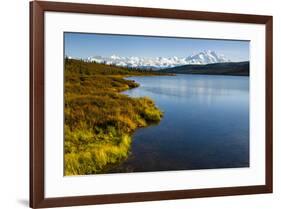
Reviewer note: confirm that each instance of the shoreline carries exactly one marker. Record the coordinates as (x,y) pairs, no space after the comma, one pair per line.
(99,119)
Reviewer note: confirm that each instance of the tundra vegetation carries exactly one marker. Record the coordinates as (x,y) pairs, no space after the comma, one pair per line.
(98,119)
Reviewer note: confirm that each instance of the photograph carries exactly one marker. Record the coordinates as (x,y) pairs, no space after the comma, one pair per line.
(154,103)
(135,103)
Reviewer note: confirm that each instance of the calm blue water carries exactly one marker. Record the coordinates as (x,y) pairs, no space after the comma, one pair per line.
(205,124)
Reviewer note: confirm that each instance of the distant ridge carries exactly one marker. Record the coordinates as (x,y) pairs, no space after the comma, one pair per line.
(227,68)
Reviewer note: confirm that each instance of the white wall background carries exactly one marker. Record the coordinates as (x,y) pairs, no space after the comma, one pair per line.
(14,103)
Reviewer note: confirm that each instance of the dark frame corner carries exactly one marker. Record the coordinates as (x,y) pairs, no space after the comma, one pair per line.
(37,9)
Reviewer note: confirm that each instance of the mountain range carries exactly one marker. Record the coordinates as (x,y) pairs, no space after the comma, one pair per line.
(201,58)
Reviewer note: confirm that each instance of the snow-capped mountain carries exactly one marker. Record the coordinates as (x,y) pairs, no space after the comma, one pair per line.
(205,57)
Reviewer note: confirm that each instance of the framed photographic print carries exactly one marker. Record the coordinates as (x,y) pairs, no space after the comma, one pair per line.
(140,104)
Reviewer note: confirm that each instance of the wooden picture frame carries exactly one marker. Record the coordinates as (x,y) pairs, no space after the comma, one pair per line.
(37,185)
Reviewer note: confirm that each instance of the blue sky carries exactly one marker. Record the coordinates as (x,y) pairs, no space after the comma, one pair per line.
(84,45)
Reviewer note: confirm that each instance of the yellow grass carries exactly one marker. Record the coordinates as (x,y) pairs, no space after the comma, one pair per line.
(99,120)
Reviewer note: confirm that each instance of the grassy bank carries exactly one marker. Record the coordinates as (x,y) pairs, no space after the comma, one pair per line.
(99,121)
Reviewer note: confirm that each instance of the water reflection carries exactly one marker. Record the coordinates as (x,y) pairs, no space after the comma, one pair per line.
(205,124)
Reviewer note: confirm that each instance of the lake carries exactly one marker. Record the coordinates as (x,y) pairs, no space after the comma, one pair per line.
(205,124)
